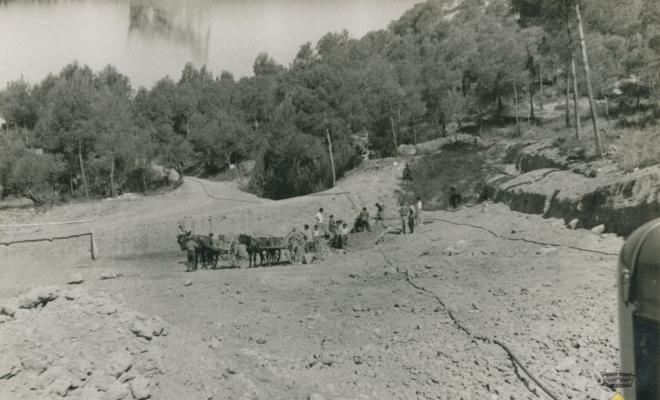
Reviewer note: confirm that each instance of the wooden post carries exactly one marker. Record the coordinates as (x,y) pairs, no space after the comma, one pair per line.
(332,158)
(95,251)
(587,74)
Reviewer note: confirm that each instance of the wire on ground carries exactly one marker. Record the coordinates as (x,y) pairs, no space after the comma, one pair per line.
(457,323)
(497,235)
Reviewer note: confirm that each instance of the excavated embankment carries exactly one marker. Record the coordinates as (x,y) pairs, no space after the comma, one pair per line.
(594,195)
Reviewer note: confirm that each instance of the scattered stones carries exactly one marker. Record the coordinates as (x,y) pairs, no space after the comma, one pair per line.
(9,306)
(316,396)
(38,296)
(187,283)
(598,230)
(76,279)
(109,275)
(142,329)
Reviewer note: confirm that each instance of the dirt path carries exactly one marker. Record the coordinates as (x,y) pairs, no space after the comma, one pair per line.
(353,326)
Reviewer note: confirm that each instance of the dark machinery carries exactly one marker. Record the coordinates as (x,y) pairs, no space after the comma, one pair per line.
(639,313)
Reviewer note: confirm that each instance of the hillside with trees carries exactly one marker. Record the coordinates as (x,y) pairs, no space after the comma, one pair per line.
(443,65)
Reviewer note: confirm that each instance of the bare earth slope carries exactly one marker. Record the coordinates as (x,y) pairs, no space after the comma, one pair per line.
(413,317)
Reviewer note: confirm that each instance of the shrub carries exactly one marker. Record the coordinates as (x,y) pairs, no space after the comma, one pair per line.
(37,177)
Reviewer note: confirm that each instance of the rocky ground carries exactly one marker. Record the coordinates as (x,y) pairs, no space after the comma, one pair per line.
(423,316)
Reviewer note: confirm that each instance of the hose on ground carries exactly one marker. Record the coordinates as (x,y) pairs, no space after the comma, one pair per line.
(512,356)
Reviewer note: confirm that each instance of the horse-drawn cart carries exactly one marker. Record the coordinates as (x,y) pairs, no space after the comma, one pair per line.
(270,248)
(208,250)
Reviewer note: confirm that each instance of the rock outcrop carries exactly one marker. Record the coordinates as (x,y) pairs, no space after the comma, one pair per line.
(621,202)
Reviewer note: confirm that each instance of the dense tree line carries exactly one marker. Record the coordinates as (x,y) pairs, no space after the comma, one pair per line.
(440,64)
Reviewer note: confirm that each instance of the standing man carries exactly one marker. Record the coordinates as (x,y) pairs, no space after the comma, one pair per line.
(412,215)
(319,220)
(191,252)
(419,211)
(454,197)
(309,239)
(364,219)
(316,236)
(345,230)
(403,213)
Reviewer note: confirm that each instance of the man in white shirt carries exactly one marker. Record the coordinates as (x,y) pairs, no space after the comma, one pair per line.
(419,211)
(319,221)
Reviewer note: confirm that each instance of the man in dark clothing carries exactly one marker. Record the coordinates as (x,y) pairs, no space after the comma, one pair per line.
(412,214)
(191,252)
(364,219)
(403,213)
(454,197)
(407,173)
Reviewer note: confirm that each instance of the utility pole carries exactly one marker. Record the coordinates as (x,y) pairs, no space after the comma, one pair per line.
(332,158)
(590,91)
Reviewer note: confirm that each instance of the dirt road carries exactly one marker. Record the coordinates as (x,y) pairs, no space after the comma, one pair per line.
(413,317)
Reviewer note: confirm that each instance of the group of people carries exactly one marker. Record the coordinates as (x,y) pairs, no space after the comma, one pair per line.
(335,231)
(411,215)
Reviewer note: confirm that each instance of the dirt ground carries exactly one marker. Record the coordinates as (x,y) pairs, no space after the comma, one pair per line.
(420,316)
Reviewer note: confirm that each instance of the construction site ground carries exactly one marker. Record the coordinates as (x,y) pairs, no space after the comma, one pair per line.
(438,314)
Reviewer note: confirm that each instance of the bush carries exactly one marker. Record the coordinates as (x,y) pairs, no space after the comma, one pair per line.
(37,177)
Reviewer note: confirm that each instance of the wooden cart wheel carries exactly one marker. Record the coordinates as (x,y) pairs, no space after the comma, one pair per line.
(295,243)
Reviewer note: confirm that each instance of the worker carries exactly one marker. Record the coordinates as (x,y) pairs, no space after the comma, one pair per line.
(403,213)
(418,211)
(338,232)
(345,230)
(407,173)
(454,197)
(319,217)
(316,237)
(309,239)
(380,213)
(191,252)
(364,220)
(412,215)
(331,228)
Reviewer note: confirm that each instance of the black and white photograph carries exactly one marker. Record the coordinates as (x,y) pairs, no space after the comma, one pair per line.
(329,199)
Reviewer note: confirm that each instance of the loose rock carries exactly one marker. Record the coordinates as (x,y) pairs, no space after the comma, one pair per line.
(140,388)
(76,279)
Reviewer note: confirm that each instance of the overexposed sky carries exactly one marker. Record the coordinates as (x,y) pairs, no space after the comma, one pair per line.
(41,37)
